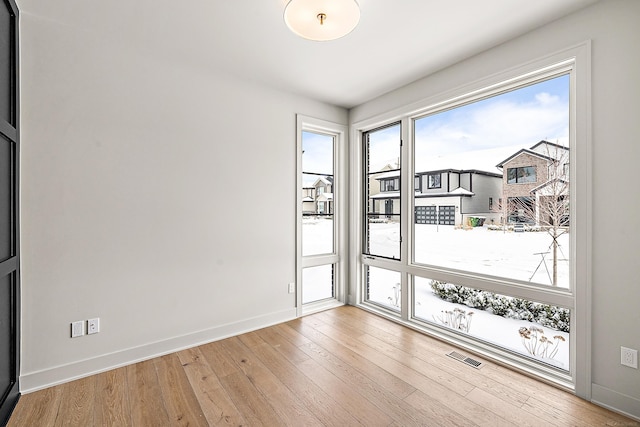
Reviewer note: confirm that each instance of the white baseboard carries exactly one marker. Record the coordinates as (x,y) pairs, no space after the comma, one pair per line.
(33,381)
(617,402)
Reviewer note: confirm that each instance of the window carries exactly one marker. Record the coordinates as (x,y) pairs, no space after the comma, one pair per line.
(390,184)
(317,166)
(486,250)
(464,253)
(537,331)
(487,247)
(433,180)
(383,288)
(318,283)
(320,247)
(382,226)
(521,175)
(522,210)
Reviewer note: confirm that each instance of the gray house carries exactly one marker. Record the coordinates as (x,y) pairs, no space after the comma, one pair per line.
(451,196)
(445,197)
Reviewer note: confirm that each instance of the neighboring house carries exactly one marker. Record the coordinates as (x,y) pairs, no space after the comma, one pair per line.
(318,199)
(323,188)
(528,175)
(384,200)
(308,200)
(451,196)
(445,197)
(384,193)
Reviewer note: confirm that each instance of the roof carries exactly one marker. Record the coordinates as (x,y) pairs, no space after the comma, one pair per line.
(390,174)
(324,197)
(552,144)
(326,180)
(396,194)
(534,151)
(546,184)
(476,160)
(461,171)
(386,195)
(457,192)
(521,152)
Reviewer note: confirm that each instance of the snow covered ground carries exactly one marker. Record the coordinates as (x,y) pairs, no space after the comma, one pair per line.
(511,255)
(480,250)
(317,235)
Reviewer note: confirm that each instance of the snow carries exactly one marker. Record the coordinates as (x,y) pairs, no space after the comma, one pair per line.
(317,235)
(491,252)
(484,325)
(479,250)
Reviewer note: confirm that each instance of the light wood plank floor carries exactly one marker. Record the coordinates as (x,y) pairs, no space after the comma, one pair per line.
(343,367)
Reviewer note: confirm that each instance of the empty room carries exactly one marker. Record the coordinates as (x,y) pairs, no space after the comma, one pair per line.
(320,212)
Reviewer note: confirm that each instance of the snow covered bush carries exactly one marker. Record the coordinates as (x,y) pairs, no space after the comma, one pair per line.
(513,308)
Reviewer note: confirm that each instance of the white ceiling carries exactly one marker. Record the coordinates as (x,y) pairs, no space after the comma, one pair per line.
(396,42)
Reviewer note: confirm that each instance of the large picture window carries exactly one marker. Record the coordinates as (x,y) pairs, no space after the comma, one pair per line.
(485,239)
(488,258)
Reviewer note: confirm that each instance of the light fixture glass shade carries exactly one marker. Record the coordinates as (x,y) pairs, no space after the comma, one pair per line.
(322,20)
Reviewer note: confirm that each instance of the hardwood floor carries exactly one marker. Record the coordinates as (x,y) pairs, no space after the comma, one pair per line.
(343,367)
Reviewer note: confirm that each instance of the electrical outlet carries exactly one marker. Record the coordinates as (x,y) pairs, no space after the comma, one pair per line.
(629,357)
(77,329)
(93,326)
(292,288)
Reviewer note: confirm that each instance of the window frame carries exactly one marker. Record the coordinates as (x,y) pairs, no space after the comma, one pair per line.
(337,258)
(575,61)
(517,175)
(390,184)
(435,184)
(365,201)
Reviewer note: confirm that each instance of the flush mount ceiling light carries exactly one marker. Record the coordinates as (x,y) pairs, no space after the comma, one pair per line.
(322,20)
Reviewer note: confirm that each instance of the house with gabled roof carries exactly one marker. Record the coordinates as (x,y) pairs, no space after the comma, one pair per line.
(444,197)
(529,174)
(452,196)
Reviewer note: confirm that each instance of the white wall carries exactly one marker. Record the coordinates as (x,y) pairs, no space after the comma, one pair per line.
(612,25)
(156,196)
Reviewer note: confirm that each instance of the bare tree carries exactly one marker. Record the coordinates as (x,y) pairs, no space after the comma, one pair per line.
(502,207)
(548,205)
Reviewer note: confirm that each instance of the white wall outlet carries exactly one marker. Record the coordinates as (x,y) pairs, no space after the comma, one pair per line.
(292,288)
(77,329)
(629,357)
(93,326)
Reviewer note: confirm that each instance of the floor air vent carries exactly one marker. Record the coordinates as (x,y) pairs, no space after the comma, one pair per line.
(464,359)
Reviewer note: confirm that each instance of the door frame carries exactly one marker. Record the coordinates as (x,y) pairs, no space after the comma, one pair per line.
(11,266)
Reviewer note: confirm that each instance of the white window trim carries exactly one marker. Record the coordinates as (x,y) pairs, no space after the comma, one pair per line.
(338,257)
(576,58)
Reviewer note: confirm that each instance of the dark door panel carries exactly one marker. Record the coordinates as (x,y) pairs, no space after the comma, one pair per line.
(9,238)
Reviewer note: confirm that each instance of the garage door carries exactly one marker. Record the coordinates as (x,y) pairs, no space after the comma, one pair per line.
(447,215)
(425,215)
